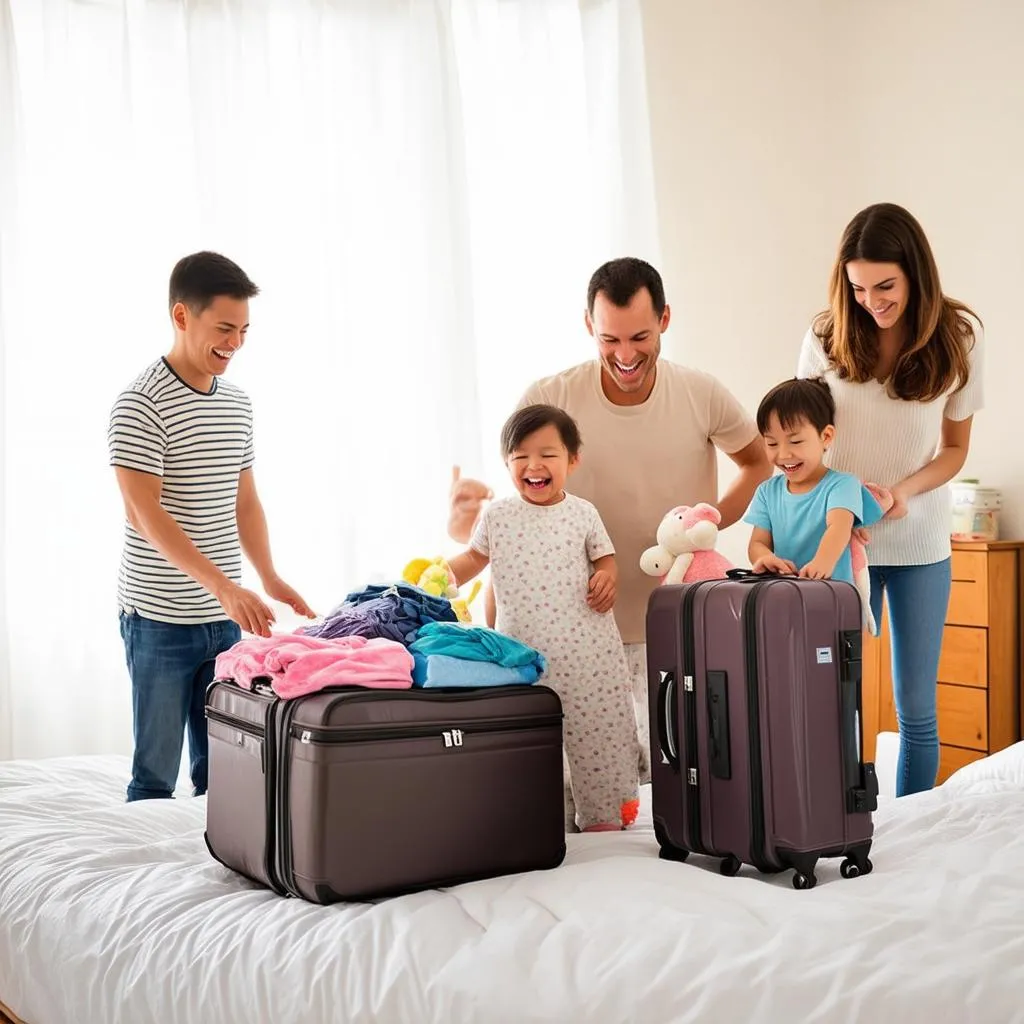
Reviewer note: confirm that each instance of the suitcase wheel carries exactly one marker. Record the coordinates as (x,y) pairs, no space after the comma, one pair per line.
(850,868)
(801,881)
(667,850)
(730,866)
(676,853)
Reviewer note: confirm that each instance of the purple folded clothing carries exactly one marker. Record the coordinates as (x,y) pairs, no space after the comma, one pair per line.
(392,612)
(378,618)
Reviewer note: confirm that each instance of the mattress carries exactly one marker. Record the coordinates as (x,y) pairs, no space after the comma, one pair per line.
(113,912)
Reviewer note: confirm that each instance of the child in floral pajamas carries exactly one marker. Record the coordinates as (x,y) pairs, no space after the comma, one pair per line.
(554,577)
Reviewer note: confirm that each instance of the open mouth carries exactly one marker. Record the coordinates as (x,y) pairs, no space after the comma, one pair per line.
(629,371)
(536,483)
(791,467)
(224,355)
(887,308)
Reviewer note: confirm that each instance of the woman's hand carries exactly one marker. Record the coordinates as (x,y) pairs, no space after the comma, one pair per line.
(899,503)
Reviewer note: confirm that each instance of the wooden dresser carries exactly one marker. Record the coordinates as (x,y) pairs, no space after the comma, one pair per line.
(979,695)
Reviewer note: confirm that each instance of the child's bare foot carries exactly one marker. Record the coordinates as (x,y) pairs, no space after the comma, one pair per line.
(604,826)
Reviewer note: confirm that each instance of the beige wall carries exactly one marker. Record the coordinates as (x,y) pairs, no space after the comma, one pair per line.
(770,132)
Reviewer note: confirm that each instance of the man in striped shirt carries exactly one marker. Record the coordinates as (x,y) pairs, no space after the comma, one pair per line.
(180,441)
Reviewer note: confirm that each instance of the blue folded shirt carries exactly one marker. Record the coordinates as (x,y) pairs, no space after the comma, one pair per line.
(431,670)
(475,643)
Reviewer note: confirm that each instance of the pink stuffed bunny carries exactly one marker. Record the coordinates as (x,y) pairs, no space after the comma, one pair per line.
(686,546)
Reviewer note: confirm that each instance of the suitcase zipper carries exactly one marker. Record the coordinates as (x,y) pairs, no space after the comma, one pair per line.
(757,843)
(696,843)
(236,723)
(361,693)
(450,735)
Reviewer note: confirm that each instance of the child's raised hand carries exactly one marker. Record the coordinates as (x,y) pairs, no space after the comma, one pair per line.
(772,563)
(601,591)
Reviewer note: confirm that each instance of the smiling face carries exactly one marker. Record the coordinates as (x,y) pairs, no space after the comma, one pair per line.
(883,289)
(798,449)
(206,341)
(629,342)
(540,464)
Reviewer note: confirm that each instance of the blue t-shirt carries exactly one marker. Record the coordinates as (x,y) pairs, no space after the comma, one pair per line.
(797,522)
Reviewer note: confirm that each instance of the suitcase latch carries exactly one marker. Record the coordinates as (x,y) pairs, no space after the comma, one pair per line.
(688,684)
(452,737)
(691,776)
(305,736)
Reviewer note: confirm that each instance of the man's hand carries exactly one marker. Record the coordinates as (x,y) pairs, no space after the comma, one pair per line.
(601,591)
(817,569)
(467,497)
(278,590)
(245,608)
(772,563)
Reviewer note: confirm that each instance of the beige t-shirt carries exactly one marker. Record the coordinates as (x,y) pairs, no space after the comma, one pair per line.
(640,461)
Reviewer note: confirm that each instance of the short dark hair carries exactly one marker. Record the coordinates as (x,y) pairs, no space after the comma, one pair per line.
(198,279)
(532,418)
(793,401)
(621,279)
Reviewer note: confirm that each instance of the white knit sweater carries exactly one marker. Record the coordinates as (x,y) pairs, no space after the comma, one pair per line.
(884,440)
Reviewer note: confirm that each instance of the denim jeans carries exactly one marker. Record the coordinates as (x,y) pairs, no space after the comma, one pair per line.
(170,667)
(917,597)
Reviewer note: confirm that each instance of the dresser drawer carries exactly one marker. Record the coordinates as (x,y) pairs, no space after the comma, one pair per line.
(964,657)
(963,716)
(952,759)
(968,597)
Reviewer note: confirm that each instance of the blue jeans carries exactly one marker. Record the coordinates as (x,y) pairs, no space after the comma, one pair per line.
(170,667)
(917,597)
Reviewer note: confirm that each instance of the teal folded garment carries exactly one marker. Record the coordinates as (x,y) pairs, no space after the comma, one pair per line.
(432,670)
(475,643)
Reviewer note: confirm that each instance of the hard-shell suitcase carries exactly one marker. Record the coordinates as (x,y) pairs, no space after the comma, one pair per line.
(354,793)
(755,701)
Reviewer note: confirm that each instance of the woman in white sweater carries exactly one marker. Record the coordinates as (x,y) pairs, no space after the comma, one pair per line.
(904,363)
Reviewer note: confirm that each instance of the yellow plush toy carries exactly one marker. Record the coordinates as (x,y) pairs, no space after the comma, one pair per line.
(435,577)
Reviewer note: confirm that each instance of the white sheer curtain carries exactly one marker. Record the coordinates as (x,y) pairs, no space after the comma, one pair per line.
(420,188)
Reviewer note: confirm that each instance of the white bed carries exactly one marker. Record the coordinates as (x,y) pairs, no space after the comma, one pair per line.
(114,913)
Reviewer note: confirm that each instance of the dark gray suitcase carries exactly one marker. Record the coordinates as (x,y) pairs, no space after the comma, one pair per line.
(754,688)
(353,793)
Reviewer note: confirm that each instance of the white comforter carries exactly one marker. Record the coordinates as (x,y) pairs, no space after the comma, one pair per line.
(115,913)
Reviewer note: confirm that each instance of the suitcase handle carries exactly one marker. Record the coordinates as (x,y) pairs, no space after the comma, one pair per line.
(749,576)
(861,783)
(667,716)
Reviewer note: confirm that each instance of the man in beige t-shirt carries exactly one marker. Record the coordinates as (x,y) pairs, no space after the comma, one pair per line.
(650,428)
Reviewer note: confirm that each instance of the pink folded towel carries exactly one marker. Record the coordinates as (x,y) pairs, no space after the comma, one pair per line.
(297,665)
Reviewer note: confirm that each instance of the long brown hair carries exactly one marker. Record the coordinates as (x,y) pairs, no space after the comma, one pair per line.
(934,359)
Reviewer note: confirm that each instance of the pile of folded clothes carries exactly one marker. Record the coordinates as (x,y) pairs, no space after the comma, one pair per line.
(384,636)
(447,654)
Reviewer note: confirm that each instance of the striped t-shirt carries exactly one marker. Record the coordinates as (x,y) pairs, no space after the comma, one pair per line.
(199,444)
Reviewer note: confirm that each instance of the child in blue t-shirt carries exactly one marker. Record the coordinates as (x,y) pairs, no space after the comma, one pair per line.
(803,517)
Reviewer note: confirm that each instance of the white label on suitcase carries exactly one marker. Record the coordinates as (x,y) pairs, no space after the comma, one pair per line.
(824,655)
